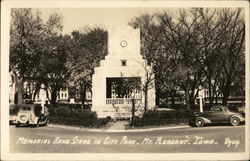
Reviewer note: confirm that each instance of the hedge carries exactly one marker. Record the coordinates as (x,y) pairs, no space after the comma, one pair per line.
(156,118)
(79,117)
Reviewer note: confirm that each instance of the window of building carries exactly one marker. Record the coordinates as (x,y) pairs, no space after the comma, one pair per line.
(62,95)
(65,94)
(124,62)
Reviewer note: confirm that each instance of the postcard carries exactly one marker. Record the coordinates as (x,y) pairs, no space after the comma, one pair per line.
(124,80)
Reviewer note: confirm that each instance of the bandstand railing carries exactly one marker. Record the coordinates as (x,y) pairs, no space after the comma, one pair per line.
(116,101)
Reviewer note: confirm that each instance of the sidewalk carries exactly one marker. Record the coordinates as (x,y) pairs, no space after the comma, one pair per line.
(119,125)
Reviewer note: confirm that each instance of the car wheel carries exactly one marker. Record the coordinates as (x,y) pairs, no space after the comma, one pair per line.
(199,122)
(234,121)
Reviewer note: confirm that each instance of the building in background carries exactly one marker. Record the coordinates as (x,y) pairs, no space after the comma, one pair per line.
(68,94)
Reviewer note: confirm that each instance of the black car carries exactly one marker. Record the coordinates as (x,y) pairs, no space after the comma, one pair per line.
(217,114)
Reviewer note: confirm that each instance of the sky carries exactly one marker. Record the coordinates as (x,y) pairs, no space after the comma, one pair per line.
(77,18)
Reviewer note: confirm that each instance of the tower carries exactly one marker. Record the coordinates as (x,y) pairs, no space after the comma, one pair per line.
(123,61)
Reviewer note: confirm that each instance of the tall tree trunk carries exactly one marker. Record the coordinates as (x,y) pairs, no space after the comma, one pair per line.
(210,92)
(16,98)
(187,96)
(16,90)
(157,97)
(216,99)
(133,112)
(146,99)
(53,96)
(192,102)
(37,89)
(226,93)
(172,100)
(83,94)
(20,90)
(166,99)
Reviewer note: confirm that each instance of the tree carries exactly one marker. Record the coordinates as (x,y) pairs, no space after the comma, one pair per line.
(180,39)
(209,44)
(37,51)
(52,53)
(54,73)
(171,45)
(149,45)
(231,59)
(147,83)
(222,40)
(26,33)
(88,48)
(130,86)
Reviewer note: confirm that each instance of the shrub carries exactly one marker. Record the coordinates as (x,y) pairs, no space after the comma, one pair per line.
(156,118)
(52,111)
(67,116)
(63,111)
(85,118)
(102,121)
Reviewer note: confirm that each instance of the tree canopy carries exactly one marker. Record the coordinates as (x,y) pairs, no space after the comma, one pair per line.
(87,49)
(197,47)
(37,50)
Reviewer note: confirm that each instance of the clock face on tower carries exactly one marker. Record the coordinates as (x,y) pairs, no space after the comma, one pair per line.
(123,43)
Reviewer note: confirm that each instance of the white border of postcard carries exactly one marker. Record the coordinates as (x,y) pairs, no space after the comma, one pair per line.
(5,24)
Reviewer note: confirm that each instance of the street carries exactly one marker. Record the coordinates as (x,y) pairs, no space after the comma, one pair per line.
(63,140)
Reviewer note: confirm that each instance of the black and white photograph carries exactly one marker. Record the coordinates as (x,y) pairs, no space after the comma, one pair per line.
(125,80)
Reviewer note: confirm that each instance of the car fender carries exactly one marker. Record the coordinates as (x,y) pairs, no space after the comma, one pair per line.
(238,116)
(34,121)
(206,120)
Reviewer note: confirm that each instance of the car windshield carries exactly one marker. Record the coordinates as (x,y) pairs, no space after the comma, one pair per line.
(219,109)
(216,109)
(225,109)
(26,108)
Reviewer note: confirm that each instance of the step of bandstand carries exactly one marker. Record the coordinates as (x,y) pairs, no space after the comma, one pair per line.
(122,116)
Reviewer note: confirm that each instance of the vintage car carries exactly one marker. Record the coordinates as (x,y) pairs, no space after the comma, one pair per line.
(217,114)
(32,114)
